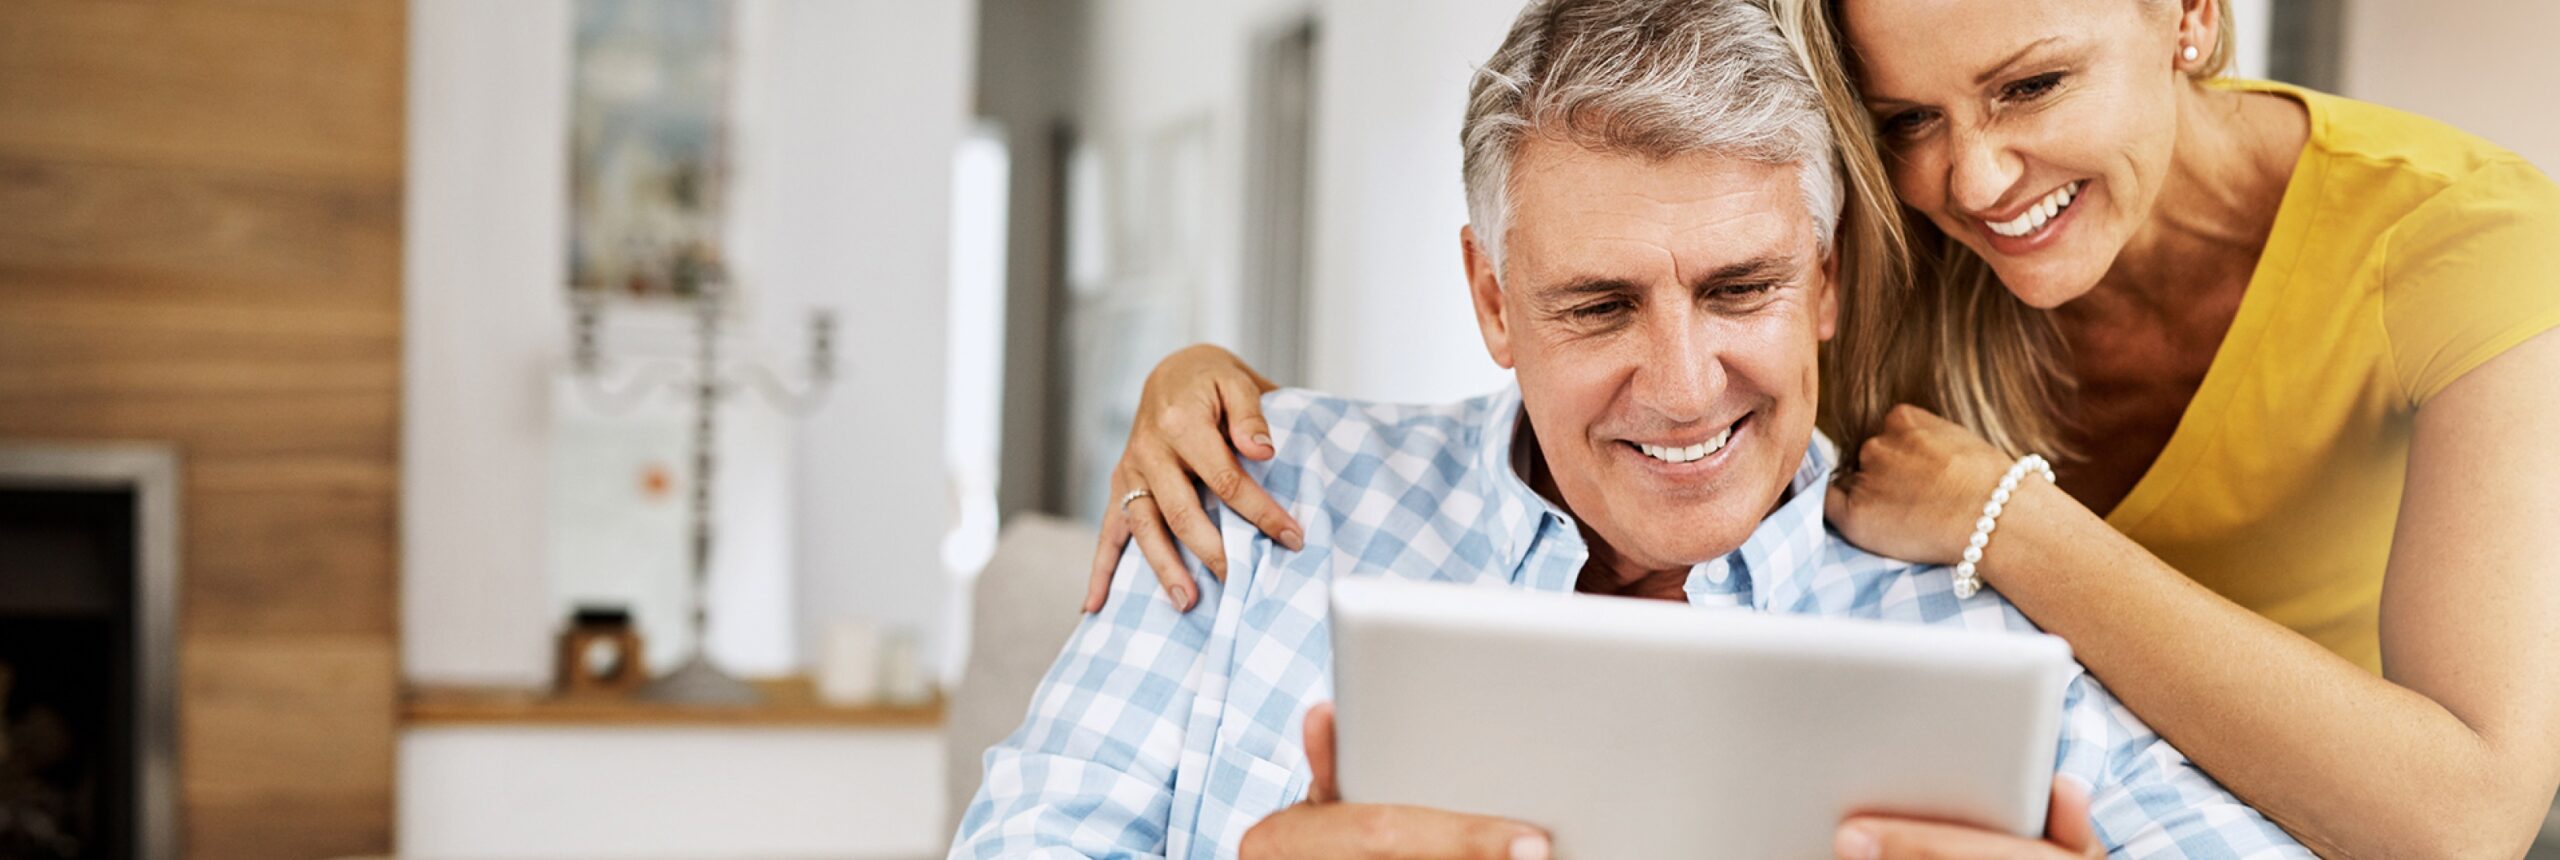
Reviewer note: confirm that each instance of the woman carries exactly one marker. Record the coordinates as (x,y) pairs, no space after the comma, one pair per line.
(2293,354)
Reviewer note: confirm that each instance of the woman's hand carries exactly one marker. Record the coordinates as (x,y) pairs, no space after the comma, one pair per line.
(1188,400)
(1920,485)
(2067,834)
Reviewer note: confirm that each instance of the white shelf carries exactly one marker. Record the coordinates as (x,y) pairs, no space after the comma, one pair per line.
(670,792)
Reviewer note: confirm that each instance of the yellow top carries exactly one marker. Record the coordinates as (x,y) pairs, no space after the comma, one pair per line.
(2406,253)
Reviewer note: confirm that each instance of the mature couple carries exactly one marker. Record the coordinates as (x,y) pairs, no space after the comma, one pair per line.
(2297,345)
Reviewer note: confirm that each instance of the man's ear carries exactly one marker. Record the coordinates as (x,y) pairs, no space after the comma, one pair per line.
(1826,297)
(1484,289)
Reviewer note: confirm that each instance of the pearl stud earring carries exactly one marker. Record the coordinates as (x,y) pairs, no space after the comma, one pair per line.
(2189,52)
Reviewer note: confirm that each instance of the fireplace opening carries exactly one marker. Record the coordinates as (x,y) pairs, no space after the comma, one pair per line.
(68,762)
(88,651)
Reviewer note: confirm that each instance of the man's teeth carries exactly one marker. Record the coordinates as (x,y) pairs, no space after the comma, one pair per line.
(1689,454)
(2043,211)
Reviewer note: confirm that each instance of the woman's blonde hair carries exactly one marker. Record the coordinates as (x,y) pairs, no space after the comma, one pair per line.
(1922,318)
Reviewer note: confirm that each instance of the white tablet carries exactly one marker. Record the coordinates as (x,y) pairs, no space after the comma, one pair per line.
(1642,728)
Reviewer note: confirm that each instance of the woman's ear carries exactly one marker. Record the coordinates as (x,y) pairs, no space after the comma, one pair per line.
(1484,291)
(2199,31)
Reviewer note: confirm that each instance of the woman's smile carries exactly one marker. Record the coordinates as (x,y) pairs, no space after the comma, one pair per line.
(2035,226)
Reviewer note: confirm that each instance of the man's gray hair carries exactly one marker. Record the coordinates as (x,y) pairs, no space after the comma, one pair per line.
(1652,78)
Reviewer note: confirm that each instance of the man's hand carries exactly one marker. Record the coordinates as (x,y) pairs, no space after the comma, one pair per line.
(1325,827)
(1351,830)
(2068,834)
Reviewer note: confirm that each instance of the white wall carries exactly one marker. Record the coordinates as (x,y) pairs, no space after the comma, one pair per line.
(2249,51)
(1387,315)
(2484,66)
(486,198)
(848,115)
(846,182)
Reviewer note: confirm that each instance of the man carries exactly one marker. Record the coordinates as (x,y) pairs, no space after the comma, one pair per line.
(1653,205)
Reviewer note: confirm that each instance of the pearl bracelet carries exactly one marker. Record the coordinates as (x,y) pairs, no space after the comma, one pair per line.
(1967,584)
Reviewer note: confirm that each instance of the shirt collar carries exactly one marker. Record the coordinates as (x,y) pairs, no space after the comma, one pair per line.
(1775,565)
(1515,514)
(1780,563)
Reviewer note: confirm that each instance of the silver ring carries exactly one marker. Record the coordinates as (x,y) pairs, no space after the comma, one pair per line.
(1133,495)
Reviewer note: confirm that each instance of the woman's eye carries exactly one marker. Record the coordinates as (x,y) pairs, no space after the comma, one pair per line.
(2030,89)
(1906,124)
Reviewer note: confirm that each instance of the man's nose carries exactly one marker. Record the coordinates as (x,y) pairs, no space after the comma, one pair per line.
(1981,170)
(1682,374)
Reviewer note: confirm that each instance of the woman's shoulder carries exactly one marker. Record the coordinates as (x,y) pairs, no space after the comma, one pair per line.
(2385,138)
(2401,185)
(2468,272)
(2447,230)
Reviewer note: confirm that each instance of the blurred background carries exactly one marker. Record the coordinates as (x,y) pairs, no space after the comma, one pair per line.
(385,386)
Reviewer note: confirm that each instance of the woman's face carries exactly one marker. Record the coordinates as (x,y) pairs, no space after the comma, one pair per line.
(2036,132)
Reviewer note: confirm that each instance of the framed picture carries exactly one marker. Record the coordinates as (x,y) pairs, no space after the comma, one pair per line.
(648,145)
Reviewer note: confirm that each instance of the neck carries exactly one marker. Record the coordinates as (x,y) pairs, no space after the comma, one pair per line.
(1612,574)
(2227,173)
(1606,571)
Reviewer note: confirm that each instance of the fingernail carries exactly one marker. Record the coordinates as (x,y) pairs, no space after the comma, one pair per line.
(1182,598)
(1854,843)
(1262,439)
(1293,540)
(1530,847)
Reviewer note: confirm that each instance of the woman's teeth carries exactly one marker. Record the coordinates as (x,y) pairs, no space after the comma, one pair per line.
(2043,211)
(1689,454)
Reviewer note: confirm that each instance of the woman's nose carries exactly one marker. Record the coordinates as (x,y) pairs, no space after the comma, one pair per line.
(1982,171)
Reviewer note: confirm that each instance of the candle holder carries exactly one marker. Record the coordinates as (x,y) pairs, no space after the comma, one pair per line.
(706,381)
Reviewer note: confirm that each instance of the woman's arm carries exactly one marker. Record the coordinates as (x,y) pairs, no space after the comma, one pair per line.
(1196,403)
(2454,752)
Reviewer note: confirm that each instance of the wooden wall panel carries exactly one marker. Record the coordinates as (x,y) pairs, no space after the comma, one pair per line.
(158,233)
(333,532)
(295,87)
(200,245)
(259,708)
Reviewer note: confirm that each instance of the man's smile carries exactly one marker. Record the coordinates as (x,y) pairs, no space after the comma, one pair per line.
(1686,456)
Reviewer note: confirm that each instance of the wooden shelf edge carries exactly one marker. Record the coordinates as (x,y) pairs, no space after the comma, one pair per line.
(789,703)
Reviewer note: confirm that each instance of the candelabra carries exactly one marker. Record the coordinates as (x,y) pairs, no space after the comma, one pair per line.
(706,383)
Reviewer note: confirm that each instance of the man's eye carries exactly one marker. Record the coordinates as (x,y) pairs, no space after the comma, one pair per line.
(1600,310)
(2030,89)
(1744,291)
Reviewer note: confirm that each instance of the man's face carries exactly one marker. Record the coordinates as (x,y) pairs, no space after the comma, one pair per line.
(1664,319)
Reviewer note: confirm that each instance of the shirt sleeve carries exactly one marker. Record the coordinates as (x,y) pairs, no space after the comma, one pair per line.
(1091,771)
(2471,273)
(2145,798)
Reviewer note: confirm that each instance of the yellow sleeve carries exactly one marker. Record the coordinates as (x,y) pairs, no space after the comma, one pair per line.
(2471,273)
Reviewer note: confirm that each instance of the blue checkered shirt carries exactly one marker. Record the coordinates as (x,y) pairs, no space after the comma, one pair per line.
(1167,734)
